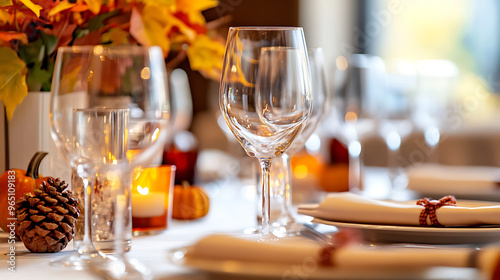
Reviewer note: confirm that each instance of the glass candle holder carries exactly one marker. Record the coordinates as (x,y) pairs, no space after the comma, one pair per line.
(152,192)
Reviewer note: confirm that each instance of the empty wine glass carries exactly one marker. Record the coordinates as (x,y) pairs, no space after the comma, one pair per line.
(285,223)
(395,116)
(436,82)
(265,95)
(357,108)
(91,84)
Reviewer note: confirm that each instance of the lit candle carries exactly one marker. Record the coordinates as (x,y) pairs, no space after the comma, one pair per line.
(152,199)
(146,204)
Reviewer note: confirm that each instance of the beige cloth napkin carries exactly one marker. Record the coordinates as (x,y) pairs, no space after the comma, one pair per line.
(349,207)
(298,250)
(458,180)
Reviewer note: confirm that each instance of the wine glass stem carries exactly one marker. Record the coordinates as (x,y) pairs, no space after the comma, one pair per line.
(86,246)
(354,171)
(287,201)
(265,165)
(392,163)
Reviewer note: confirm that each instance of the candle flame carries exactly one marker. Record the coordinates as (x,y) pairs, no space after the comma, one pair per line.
(141,190)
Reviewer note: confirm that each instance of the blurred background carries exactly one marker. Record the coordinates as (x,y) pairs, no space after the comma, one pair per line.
(427,78)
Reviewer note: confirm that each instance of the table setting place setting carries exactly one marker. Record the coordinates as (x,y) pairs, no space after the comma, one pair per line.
(110,116)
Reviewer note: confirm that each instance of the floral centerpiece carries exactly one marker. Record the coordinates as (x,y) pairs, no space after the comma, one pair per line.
(32,30)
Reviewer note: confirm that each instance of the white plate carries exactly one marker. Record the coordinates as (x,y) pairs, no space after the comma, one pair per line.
(415,234)
(226,269)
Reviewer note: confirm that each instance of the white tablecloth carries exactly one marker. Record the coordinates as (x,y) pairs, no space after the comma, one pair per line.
(232,210)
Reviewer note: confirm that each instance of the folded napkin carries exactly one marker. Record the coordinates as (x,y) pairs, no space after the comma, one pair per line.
(301,251)
(458,180)
(349,207)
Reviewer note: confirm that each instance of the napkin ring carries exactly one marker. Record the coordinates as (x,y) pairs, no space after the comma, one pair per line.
(430,207)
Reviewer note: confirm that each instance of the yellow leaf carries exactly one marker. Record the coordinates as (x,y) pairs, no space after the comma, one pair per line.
(115,36)
(193,9)
(13,86)
(206,55)
(63,5)
(32,6)
(70,79)
(94,5)
(150,30)
(5,17)
(195,5)
(165,3)
(4,3)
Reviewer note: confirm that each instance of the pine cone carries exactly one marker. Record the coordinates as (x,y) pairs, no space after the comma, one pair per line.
(46,220)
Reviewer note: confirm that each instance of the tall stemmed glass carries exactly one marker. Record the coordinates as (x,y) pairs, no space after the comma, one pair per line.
(395,116)
(265,95)
(358,105)
(91,84)
(285,224)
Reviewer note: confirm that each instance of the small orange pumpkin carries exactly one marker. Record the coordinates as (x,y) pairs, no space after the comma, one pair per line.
(14,183)
(189,202)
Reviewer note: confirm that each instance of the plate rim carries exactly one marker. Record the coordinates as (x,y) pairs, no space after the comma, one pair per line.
(411,229)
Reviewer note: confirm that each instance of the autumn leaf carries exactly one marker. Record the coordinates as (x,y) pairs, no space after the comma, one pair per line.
(164,3)
(7,36)
(195,5)
(4,3)
(5,17)
(149,30)
(115,36)
(94,5)
(193,9)
(13,87)
(206,55)
(62,6)
(32,6)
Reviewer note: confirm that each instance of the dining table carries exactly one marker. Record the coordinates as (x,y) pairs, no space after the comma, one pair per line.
(233,209)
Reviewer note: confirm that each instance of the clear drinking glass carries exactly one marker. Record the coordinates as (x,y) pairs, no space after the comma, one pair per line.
(97,81)
(265,95)
(395,116)
(285,223)
(358,106)
(436,82)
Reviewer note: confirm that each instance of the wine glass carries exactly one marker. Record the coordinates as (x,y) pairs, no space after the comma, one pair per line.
(95,89)
(265,95)
(358,107)
(285,223)
(436,82)
(395,116)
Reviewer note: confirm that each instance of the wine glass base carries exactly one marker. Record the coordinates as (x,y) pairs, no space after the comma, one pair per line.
(286,230)
(123,268)
(251,230)
(79,261)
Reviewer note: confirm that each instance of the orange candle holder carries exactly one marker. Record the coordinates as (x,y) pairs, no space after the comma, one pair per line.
(152,192)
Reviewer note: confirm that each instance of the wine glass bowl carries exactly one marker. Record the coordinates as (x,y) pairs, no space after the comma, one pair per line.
(265,94)
(268,127)
(320,96)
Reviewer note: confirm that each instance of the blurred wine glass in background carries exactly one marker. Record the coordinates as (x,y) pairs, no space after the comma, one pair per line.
(357,105)
(395,123)
(436,81)
(281,173)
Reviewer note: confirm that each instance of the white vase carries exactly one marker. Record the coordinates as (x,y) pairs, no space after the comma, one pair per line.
(29,132)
